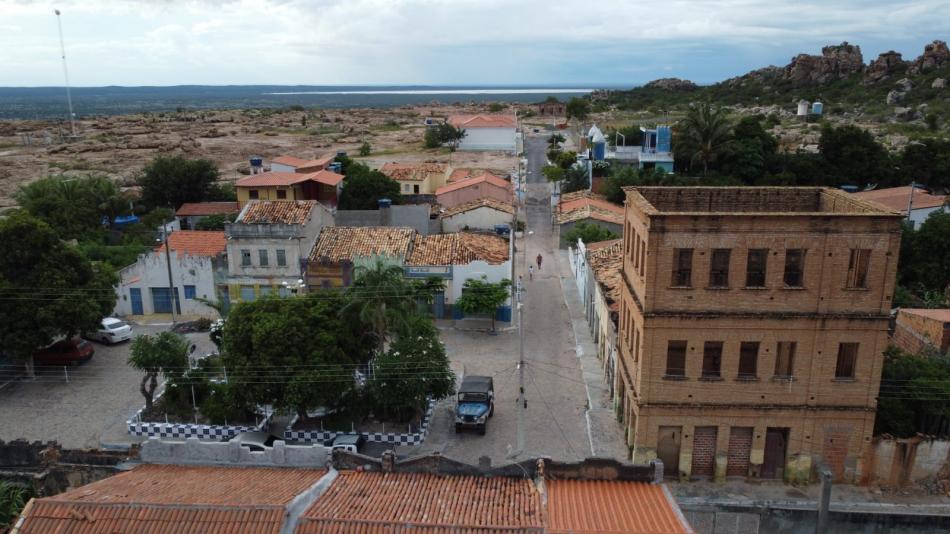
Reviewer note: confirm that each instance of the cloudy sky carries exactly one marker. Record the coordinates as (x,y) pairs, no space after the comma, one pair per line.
(457,42)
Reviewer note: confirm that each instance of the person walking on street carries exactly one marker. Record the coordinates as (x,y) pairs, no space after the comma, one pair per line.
(539,261)
(531,272)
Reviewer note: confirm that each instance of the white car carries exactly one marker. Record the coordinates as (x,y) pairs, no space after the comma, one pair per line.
(111,330)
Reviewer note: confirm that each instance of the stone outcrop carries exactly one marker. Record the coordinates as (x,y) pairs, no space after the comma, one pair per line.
(834,63)
(884,66)
(672,84)
(939,83)
(894,97)
(936,54)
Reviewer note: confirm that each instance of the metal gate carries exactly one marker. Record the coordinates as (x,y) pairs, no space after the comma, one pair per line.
(668,449)
(162,301)
(135,297)
(776,443)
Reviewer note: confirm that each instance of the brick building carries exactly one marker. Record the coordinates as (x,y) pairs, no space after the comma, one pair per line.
(752,326)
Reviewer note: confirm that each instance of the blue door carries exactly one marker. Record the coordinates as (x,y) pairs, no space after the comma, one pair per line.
(135,295)
(162,300)
(438,305)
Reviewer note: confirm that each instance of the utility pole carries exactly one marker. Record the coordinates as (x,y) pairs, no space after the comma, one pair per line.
(522,403)
(910,200)
(69,97)
(821,526)
(168,262)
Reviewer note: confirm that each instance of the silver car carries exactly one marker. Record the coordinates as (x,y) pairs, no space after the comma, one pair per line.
(111,330)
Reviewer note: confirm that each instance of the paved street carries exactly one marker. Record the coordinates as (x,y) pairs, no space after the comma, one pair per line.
(90,409)
(556,420)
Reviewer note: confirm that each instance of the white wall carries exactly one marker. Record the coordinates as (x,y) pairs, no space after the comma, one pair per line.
(489,139)
(483,218)
(280,167)
(475,270)
(919,215)
(151,271)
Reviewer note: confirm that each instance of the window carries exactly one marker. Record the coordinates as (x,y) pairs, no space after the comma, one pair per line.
(719,268)
(245,257)
(636,252)
(190,292)
(265,290)
(676,358)
(253,194)
(247,293)
(415,188)
(847,358)
(636,345)
(712,359)
(643,254)
(262,257)
(281,257)
(755,267)
(405,187)
(784,359)
(748,359)
(283,291)
(281,194)
(858,268)
(682,267)
(795,267)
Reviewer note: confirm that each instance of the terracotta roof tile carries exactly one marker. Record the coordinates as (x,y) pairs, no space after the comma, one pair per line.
(458,249)
(291,161)
(300,163)
(277,212)
(196,243)
(483,121)
(606,261)
(480,203)
(582,205)
(464,174)
(490,178)
(940,315)
(896,198)
(412,172)
(344,243)
(271,179)
(614,507)
(394,502)
(193,209)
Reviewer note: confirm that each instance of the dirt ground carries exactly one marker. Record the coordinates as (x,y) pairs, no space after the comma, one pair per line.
(119,146)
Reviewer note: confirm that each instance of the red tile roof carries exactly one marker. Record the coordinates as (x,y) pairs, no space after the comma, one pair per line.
(586,205)
(372,503)
(479,203)
(277,211)
(606,261)
(611,507)
(290,161)
(200,209)
(489,178)
(896,198)
(413,172)
(270,179)
(464,174)
(344,243)
(483,121)
(196,243)
(458,249)
(171,498)
(936,314)
(299,163)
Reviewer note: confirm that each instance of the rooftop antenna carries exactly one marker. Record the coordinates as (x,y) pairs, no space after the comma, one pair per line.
(69,97)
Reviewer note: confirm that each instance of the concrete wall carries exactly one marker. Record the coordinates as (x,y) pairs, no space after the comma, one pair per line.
(483,218)
(193,451)
(151,270)
(415,216)
(902,462)
(474,192)
(475,270)
(919,215)
(489,139)
(915,333)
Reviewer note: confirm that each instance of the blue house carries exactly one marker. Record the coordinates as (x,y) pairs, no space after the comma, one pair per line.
(656,151)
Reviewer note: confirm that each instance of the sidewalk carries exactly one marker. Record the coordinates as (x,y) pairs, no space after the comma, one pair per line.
(606,434)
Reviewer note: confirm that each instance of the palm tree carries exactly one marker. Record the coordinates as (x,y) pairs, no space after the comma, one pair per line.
(380,298)
(704,133)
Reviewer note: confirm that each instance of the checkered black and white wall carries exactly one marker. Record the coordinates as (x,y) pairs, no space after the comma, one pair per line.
(396,438)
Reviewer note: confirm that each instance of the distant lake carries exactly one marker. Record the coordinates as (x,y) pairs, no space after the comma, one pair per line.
(50,102)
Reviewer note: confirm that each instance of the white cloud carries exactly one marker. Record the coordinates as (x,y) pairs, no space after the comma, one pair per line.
(431,41)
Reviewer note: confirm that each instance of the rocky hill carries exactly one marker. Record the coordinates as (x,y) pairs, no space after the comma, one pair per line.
(888,88)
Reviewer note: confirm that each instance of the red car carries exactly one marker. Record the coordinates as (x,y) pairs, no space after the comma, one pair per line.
(65,352)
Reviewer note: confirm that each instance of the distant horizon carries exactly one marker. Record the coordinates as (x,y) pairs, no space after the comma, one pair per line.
(540,87)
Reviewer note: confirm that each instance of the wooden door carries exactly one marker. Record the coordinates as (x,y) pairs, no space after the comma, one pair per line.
(668,449)
(776,445)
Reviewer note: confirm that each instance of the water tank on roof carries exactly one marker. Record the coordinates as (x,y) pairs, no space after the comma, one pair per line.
(384,203)
(802,108)
(664,139)
(336,167)
(817,108)
(125,220)
(850,188)
(341,154)
(502,229)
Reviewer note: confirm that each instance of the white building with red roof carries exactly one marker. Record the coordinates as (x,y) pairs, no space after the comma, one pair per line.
(487,131)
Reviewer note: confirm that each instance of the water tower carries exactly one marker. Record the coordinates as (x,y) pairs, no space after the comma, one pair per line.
(802,108)
(257,164)
(598,144)
(817,108)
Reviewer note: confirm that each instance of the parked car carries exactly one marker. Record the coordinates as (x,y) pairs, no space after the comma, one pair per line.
(256,441)
(111,330)
(64,352)
(476,403)
(346,442)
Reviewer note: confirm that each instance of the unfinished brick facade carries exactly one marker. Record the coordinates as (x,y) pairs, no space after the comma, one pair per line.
(754,308)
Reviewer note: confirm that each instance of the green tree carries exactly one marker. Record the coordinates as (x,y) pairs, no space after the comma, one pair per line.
(927,162)
(924,263)
(165,353)
(73,206)
(482,296)
(48,288)
(853,156)
(381,298)
(437,136)
(296,354)
(414,369)
(495,107)
(578,108)
(363,188)
(589,233)
(170,181)
(914,395)
(13,498)
(566,160)
(704,134)
(752,152)
(365,149)
(575,179)
(214,222)
(623,177)
(555,140)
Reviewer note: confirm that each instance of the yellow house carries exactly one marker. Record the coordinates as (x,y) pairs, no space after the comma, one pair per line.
(417,178)
(322,186)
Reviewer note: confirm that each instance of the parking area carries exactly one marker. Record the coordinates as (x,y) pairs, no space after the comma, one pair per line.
(80,406)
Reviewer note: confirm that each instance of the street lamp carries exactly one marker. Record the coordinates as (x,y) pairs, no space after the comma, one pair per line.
(294,287)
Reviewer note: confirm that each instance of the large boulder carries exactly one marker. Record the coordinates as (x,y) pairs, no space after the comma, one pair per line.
(936,54)
(884,66)
(834,63)
(939,83)
(672,84)
(894,97)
